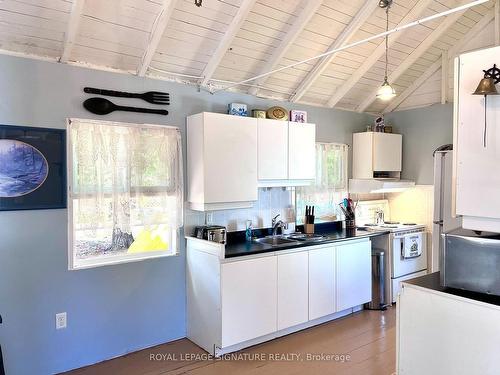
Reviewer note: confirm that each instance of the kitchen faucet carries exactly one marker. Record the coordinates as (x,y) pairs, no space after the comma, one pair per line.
(277,224)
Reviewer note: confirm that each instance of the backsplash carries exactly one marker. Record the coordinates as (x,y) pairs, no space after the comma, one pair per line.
(271,202)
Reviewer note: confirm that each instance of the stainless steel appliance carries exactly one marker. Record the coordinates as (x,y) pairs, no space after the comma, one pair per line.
(471,263)
(443,222)
(214,233)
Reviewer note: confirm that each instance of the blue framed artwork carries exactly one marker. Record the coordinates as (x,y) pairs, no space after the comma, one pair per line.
(32,168)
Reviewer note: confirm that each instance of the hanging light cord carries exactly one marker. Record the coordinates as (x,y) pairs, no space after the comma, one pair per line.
(386,40)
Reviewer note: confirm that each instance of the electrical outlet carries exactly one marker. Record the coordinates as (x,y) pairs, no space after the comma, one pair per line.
(61,320)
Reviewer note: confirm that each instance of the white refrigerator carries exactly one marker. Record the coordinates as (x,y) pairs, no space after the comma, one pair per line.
(443,222)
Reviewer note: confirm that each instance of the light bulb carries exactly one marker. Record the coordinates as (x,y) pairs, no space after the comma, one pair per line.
(386,92)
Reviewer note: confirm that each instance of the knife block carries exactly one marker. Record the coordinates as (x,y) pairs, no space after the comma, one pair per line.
(309,228)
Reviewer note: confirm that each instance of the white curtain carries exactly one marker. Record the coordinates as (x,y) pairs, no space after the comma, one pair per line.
(126,184)
(330,186)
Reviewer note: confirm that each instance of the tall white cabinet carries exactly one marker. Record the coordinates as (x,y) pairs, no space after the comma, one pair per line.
(477,177)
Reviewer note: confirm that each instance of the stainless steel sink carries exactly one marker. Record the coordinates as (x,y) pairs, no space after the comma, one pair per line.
(275,241)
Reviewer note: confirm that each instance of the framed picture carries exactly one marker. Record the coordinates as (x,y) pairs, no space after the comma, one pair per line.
(298,116)
(32,168)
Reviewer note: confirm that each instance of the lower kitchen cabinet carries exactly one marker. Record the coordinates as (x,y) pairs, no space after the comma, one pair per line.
(353,274)
(236,303)
(321,282)
(249,299)
(293,292)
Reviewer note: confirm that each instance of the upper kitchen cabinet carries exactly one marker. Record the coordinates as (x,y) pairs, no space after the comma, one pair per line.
(476,143)
(286,153)
(377,155)
(272,152)
(221,161)
(301,151)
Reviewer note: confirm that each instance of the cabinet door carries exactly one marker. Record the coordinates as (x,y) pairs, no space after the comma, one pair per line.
(272,149)
(230,153)
(354,274)
(293,293)
(477,165)
(321,282)
(387,152)
(249,299)
(301,151)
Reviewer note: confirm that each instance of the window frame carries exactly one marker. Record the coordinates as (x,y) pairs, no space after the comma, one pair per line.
(116,259)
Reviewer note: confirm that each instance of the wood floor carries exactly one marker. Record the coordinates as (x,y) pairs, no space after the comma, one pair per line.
(368,337)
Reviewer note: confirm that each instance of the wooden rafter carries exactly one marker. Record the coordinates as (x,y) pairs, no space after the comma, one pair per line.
(412,15)
(226,41)
(358,20)
(306,13)
(437,33)
(451,53)
(72,31)
(157,31)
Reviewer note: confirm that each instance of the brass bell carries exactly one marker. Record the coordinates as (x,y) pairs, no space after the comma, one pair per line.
(486,87)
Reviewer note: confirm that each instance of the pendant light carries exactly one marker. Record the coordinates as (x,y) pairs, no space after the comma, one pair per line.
(386,91)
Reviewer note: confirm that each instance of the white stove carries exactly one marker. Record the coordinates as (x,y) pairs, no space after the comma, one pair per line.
(405,246)
(392,226)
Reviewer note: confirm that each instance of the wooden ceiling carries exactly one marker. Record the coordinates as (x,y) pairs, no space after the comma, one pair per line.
(231,40)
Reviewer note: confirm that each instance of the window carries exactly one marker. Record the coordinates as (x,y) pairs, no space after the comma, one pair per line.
(125,192)
(330,186)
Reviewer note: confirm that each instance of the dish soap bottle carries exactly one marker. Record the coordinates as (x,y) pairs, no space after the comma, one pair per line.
(248,231)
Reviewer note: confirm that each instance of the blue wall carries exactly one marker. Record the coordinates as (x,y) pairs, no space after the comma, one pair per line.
(111,310)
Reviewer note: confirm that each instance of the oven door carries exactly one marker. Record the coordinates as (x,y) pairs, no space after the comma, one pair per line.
(409,254)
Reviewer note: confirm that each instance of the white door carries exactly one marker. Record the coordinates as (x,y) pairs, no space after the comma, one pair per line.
(477,164)
(387,152)
(354,274)
(293,292)
(249,299)
(301,151)
(272,149)
(321,282)
(230,152)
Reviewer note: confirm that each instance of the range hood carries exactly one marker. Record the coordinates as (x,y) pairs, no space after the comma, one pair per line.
(383,185)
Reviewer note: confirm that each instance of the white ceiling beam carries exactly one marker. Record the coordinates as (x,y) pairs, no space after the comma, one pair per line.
(341,91)
(358,20)
(437,33)
(305,15)
(451,53)
(445,63)
(72,30)
(414,86)
(227,39)
(157,31)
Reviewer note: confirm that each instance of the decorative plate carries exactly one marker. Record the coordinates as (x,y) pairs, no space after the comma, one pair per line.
(277,113)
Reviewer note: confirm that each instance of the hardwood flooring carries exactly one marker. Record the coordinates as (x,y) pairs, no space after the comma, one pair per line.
(368,337)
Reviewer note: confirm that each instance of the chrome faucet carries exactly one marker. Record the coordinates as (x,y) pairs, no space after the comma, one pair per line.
(277,224)
(379,216)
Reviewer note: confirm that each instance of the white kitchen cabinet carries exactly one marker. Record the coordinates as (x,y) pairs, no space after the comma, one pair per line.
(353,274)
(249,299)
(293,292)
(321,282)
(272,149)
(221,161)
(377,152)
(477,181)
(301,151)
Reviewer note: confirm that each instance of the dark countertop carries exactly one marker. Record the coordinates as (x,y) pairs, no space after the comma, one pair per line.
(242,248)
(432,282)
